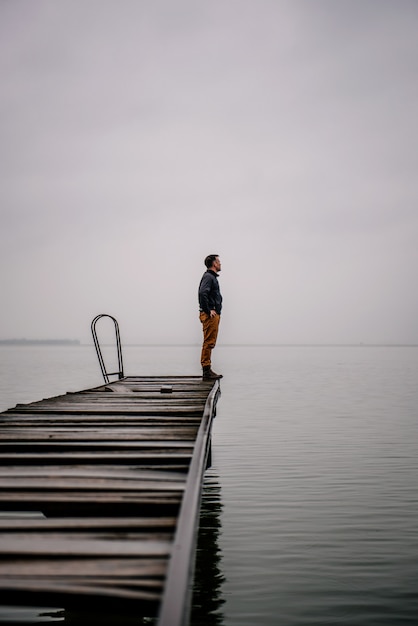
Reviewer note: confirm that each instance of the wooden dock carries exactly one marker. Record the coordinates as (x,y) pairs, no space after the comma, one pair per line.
(100,497)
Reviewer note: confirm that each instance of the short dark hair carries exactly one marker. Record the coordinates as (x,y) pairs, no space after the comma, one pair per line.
(210,259)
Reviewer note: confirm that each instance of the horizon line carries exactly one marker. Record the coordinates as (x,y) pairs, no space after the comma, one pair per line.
(77,342)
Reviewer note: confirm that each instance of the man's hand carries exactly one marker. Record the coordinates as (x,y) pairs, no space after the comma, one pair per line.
(213,313)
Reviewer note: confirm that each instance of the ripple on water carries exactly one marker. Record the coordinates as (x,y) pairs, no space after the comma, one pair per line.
(319,489)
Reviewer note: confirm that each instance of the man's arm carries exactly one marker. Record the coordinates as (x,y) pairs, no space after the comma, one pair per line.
(204,291)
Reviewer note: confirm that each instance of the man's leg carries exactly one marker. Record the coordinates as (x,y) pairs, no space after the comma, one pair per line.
(210,333)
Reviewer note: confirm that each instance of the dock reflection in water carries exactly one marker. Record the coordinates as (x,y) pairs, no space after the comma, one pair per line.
(208,580)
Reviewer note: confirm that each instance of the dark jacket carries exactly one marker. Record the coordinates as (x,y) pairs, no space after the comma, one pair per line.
(209,293)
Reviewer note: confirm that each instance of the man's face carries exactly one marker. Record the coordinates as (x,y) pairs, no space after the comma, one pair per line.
(217,265)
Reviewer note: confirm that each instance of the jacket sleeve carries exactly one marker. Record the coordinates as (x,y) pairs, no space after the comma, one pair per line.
(204,291)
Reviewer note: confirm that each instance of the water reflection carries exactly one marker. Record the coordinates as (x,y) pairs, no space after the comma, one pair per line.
(207,592)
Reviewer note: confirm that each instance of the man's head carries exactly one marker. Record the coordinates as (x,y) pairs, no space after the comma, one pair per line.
(212,262)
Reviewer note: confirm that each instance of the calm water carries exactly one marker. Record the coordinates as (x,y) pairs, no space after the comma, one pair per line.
(310,508)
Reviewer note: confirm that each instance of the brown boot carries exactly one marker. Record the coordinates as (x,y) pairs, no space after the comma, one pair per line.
(209,375)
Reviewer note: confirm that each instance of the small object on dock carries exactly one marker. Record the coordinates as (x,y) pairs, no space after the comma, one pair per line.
(166,389)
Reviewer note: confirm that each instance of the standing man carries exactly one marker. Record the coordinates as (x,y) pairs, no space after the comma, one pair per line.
(210,306)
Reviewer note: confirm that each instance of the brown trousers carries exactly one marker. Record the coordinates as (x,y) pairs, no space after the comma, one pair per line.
(210,334)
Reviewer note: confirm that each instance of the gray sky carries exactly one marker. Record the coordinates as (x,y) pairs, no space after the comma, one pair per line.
(137,136)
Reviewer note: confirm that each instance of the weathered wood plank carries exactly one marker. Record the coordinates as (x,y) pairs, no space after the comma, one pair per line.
(178,462)
(113,409)
(162,463)
(50,432)
(39,545)
(93,397)
(160,388)
(75,525)
(71,483)
(106,421)
(82,568)
(161,446)
(117,398)
(92,471)
(88,497)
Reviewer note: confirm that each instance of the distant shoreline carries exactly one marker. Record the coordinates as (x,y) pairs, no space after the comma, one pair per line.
(76,342)
(39,342)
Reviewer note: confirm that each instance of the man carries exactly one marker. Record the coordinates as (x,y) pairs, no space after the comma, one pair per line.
(210,306)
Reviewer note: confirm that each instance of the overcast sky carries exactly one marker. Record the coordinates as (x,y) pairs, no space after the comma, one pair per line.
(138,136)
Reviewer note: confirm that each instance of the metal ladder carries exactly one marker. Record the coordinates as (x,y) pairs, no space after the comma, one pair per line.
(106,374)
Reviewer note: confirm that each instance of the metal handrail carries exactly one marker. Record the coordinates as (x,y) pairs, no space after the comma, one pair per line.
(106,374)
(175,606)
